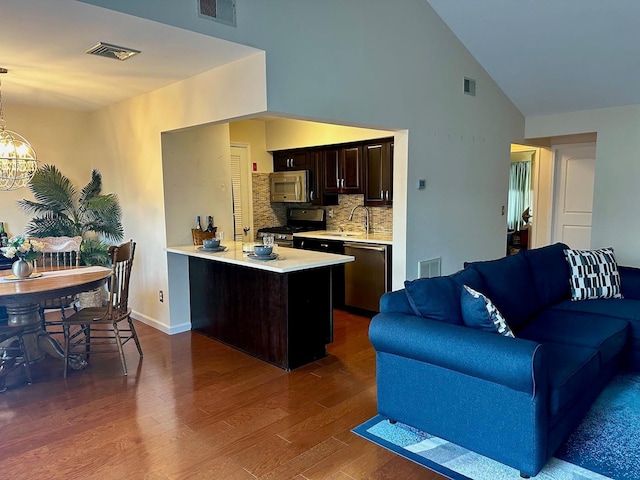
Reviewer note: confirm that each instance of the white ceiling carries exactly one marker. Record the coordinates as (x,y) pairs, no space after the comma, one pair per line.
(548,56)
(553,56)
(42,44)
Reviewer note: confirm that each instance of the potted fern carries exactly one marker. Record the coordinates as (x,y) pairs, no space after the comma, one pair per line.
(60,210)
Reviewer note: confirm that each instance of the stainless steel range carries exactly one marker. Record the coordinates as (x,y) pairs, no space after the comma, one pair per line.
(298,220)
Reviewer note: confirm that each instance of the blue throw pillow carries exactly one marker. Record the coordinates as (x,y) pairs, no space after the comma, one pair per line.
(438,298)
(480,313)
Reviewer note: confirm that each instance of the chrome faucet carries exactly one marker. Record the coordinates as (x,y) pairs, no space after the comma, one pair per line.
(366,218)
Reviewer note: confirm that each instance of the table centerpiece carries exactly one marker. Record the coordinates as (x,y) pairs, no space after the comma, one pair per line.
(26,250)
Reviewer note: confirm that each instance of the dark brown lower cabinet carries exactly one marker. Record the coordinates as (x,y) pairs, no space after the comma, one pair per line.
(285,319)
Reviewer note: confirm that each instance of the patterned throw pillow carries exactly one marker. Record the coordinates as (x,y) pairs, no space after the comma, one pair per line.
(594,274)
(480,312)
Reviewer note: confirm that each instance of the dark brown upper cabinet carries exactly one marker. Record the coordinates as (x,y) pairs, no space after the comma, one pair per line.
(378,173)
(343,169)
(317,193)
(291,160)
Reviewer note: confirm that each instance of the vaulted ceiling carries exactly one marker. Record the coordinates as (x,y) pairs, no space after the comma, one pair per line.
(548,56)
(553,56)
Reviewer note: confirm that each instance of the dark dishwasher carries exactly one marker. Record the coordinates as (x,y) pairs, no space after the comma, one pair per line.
(327,246)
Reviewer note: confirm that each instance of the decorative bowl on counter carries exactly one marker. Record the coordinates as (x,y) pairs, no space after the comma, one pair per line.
(210,243)
(263,250)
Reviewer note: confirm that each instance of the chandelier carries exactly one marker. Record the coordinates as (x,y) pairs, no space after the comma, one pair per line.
(18,161)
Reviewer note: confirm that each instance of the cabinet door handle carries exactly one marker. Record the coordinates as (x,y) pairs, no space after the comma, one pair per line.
(292,164)
(311,195)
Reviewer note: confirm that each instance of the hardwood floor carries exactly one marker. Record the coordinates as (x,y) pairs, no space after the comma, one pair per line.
(194,408)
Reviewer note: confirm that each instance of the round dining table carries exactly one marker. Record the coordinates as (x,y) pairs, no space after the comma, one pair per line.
(22,300)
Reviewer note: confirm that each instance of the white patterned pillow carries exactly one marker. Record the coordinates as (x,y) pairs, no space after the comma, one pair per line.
(480,312)
(594,274)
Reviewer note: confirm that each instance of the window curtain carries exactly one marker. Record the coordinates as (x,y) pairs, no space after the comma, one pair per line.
(519,193)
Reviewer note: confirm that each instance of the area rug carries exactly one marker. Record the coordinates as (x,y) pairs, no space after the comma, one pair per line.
(606,445)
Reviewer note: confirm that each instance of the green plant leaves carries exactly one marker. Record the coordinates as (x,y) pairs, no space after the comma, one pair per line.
(61,211)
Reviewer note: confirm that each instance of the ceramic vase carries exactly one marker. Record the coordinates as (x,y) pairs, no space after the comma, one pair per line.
(22,268)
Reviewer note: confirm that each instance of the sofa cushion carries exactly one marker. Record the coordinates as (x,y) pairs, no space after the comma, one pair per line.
(507,282)
(607,335)
(593,274)
(438,298)
(395,301)
(629,282)
(480,313)
(571,370)
(549,273)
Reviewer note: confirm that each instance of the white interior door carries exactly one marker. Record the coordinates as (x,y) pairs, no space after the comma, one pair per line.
(242,192)
(573,198)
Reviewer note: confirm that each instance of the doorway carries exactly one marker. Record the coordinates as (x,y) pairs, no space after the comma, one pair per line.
(523,174)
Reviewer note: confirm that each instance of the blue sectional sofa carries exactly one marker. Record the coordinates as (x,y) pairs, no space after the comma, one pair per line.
(514,400)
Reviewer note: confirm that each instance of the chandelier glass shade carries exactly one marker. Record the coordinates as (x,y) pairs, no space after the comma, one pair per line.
(18,161)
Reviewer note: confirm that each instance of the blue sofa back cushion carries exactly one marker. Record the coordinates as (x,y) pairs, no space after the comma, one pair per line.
(438,298)
(509,286)
(480,313)
(630,282)
(549,272)
(395,302)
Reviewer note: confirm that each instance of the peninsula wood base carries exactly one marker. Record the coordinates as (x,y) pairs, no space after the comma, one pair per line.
(285,319)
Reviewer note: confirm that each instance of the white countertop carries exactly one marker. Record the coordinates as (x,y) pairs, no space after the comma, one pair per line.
(355,237)
(289,259)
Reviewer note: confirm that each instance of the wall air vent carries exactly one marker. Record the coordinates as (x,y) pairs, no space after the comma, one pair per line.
(429,268)
(223,11)
(112,51)
(469,86)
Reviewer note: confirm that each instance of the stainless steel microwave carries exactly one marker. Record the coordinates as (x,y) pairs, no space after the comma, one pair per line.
(290,187)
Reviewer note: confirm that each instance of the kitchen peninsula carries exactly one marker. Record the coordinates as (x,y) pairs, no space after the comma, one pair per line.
(280,311)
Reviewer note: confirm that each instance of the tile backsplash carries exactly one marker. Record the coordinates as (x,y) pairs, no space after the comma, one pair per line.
(267,214)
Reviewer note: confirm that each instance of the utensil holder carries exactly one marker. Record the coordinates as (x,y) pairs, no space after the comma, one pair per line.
(199,235)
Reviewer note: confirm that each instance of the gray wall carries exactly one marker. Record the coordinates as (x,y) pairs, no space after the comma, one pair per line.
(389,65)
(616,194)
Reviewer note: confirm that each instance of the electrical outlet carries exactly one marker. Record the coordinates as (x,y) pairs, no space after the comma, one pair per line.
(161,295)
(330,213)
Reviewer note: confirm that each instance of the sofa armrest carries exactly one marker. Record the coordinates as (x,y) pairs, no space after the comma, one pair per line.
(630,282)
(513,362)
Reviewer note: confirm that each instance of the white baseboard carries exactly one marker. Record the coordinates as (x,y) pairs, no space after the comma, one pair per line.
(152,322)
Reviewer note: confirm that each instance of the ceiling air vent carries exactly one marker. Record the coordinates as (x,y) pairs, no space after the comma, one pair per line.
(112,51)
(223,11)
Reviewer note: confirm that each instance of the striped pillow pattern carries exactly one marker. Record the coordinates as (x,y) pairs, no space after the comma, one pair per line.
(480,312)
(594,274)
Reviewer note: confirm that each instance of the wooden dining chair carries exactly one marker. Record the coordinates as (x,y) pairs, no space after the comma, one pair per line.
(58,252)
(13,353)
(97,329)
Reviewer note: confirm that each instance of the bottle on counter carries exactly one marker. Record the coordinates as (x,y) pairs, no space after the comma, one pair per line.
(4,238)
(210,224)
(198,224)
